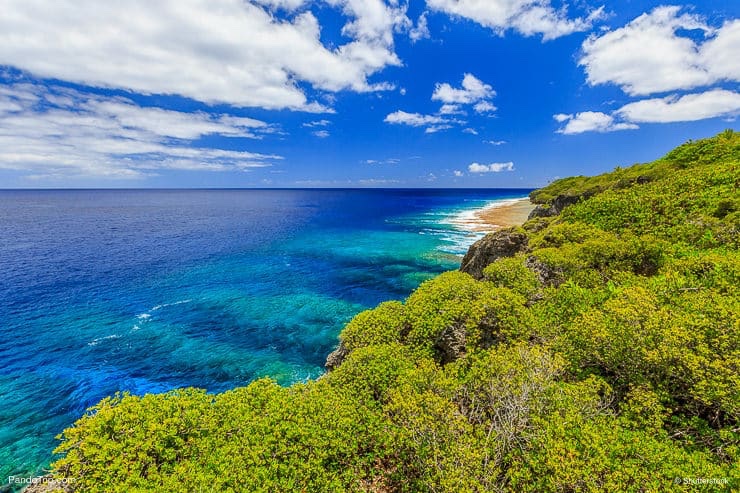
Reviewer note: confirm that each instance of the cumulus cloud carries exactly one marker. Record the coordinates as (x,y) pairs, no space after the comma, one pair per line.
(495,142)
(484,107)
(591,121)
(670,109)
(470,131)
(720,52)
(222,51)
(413,119)
(421,30)
(289,5)
(451,109)
(473,90)
(59,133)
(528,17)
(688,108)
(457,173)
(373,20)
(322,134)
(491,168)
(655,53)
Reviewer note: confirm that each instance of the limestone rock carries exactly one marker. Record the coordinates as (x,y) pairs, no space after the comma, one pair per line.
(547,275)
(504,243)
(556,206)
(336,357)
(451,342)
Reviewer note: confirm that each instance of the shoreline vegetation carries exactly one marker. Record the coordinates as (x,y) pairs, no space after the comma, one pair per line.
(596,347)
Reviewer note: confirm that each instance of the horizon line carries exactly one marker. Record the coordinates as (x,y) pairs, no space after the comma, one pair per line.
(19,189)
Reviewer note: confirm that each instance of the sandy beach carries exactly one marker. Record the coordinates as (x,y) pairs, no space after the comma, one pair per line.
(495,216)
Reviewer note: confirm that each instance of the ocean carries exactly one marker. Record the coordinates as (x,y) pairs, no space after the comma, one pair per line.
(149,290)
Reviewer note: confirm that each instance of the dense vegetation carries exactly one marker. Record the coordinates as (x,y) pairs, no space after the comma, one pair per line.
(603,357)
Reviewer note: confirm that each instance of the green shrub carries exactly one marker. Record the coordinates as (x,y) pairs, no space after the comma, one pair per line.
(685,349)
(381,325)
(511,273)
(597,260)
(369,372)
(561,233)
(440,449)
(601,455)
(715,270)
(454,305)
(259,438)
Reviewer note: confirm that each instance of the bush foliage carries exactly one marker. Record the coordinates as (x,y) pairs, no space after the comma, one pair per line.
(604,358)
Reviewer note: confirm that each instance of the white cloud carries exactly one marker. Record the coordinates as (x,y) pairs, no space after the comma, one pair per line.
(289,5)
(413,119)
(421,30)
(322,134)
(317,123)
(221,51)
(484,107)
(495,142)
(473,90)
(491,168)
(470,131)
(529,17)
(168,123)
(391,160)
(653,54)
(373,20)
(457,173)
(62,133)
(688,108)
(720,52)
(371,182)
(9,107)
(451,109)
(591,121)
(437,128)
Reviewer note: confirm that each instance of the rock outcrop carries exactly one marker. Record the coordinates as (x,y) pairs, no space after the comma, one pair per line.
(451,342)
(503,243)
(336,357)
(556,206)
(546,275)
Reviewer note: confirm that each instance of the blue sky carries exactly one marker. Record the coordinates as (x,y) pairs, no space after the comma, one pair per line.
(355,93)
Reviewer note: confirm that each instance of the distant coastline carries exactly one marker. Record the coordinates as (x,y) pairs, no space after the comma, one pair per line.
(495,215)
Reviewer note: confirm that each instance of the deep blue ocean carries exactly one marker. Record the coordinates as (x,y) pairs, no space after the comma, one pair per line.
(149,290)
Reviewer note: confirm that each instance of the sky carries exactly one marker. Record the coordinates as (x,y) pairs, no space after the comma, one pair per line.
(356,93)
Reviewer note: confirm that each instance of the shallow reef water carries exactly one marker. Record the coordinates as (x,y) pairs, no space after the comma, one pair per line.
(149,290)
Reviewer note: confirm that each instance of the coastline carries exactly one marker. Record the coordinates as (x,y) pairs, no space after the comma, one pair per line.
(494,216)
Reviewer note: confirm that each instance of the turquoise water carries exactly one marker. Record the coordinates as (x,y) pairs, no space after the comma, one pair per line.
(145,291)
